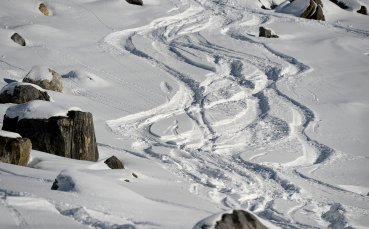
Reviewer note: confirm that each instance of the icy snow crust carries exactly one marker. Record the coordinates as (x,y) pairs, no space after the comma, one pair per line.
(206,114)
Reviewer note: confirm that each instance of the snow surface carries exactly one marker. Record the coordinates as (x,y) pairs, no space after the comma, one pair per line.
(206,114)
(38,109)
(39,73)
(9,88)
(9,134)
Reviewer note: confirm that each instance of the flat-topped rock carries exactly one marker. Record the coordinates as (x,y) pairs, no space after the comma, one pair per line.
(14,149)
(18,92)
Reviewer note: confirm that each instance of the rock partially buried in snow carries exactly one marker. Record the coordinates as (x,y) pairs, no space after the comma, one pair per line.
(135,2)
(14,149)
(18,39)
(17,92)
(43,9)
(363,10)
(310,9)
(268,33)
(236,219)
(45,78)
(64,183)
(53,129)
(114,163)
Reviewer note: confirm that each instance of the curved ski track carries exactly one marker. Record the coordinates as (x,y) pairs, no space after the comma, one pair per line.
(235,109)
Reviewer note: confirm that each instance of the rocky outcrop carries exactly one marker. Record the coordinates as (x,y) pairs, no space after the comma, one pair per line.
(264,32)
(14,149)
(71,137)
(18,39)
(239,219)
(114,163)
(43,9)
(135,2)
(314,11)
(44,77)
(363,10)
(17,92)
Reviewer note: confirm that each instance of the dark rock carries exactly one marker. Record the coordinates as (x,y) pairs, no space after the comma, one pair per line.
(135,2)
(18,39)
(126,180)
(70,137)
(35,76)
(314,11)
(64,183)
(22,92)
(239,219)
(15,150)
(114,163)
(263,32)
(340,4)
(43,9)
(363,10)
(134,175)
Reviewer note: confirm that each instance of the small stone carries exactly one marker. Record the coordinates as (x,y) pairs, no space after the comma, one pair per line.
(43,9)
(18,39)
(134,175)
(126,180)
(267,33)
(114,163)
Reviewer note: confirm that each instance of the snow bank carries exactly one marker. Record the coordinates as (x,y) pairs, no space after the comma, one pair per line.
(38,110)
(9,134)
(9,88)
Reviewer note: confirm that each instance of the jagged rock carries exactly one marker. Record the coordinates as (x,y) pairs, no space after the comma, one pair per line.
(18,39)
(14,149)
(239,219)
(263,32)
(363,10)
(43,9)
(135,2)
(45,78)
(17,92)
(72,136)
(114,163)
(314,11)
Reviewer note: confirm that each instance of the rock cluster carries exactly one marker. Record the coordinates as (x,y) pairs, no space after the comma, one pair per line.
(43,9)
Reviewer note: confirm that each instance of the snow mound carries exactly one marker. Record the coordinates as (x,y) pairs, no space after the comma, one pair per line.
(39,73)
(64,182)
(38,110)
(9,88)
(86,79)
(8,134)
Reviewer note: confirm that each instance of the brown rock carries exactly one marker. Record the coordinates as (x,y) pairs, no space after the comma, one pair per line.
(55,84)
(43,9)
(314,11)
(15,150)
(114,163)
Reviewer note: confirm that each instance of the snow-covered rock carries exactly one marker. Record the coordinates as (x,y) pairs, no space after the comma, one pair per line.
(45,77)
(14,149)
(17,92)
(310,9)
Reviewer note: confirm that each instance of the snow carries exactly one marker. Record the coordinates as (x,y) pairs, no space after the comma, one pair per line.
(207,114)
(9,134)
(9,88)
(38,109)
(39,73)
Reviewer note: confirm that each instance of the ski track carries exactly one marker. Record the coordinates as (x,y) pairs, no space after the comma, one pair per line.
(212,158)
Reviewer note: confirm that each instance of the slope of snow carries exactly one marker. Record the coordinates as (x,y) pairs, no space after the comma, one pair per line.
(207,115)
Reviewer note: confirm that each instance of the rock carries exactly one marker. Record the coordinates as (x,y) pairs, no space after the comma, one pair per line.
(126,180)
(64,183)
(14,149)
(114,163)
(17,92)
(363,10)
(72,136)
(239,219)
(44,77)
(18,39)
(340,4)
(134,175)
(314,11)
(43,9)
(135,2)
(263,32)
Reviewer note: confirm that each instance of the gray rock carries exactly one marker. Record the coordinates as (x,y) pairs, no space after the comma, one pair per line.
(239,219)
(363,10)
(18,39)
(264,32)
(114,163)
(17,92)
(314,11)
(55,84)
(43,9)
(64,183)
(70,137)
(135,2)
(15,150)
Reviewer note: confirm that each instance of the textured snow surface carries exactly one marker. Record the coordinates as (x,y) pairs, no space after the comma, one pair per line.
(207,115)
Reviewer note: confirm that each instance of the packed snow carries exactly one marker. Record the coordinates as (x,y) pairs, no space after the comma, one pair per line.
(207,115)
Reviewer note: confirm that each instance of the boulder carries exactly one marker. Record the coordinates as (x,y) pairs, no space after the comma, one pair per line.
(314,11)
(363,10)
(114,163)
(264,32)
(14,149)
(18,39)
(70,136)
(43,9)
(44,77)
(17,92)
(135,2)
(64,183)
